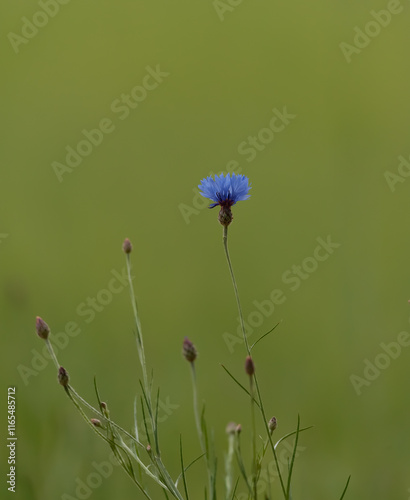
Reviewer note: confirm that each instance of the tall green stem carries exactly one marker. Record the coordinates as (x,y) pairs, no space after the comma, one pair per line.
(225,242)
(265,420)
(238,302)
(52,353)
(196,413)
(254,457)
(140,341)
(203,440)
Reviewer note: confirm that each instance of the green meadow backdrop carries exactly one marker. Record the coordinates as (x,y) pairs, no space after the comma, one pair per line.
(112,114)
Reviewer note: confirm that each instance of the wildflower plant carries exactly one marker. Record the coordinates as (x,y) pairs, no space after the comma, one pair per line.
(140,456)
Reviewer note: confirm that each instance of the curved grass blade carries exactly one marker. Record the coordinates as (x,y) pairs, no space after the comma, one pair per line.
(137,437)
(291,434)
(156,423)
(264,335)
(234,490)
(293,459)
(145,421)
(344,491)
(183,468)
(188,466)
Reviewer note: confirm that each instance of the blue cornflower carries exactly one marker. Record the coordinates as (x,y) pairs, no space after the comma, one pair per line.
(225,191)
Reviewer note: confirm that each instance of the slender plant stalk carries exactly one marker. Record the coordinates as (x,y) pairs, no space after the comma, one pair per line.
(147,386)
(265,420)
(253,438)
(202,440)
(52,353)
(117,443)
(228,465)
(240,462)
(238,302)
(196,413)
(140,341)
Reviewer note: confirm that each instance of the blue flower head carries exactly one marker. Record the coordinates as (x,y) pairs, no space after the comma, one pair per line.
(225,191)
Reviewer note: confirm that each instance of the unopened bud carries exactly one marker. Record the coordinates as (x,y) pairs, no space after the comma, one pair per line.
(249,366)
(95,422)
(104,409)
(188,350)
(42,329)
(272,424)
(63,376)
(127,246)
(225,216)
(238,429)
(231,428)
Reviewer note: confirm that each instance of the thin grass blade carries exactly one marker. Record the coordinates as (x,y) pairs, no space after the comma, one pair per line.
(291,434)
(183,468)
(347,485)
(263,336)
(292,460)
(188,466)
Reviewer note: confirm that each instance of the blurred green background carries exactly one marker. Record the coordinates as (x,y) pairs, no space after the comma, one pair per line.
(322,176)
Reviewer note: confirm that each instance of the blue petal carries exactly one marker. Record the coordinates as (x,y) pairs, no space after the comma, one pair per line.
(225,188)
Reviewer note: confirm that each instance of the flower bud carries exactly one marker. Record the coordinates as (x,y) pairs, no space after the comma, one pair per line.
(238,429)
(188,350)
(42,329)
(272,424)
(104,409)
(127,246)
(249,366)
(225,216)
(95,422)
(63,376)
(231,428)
